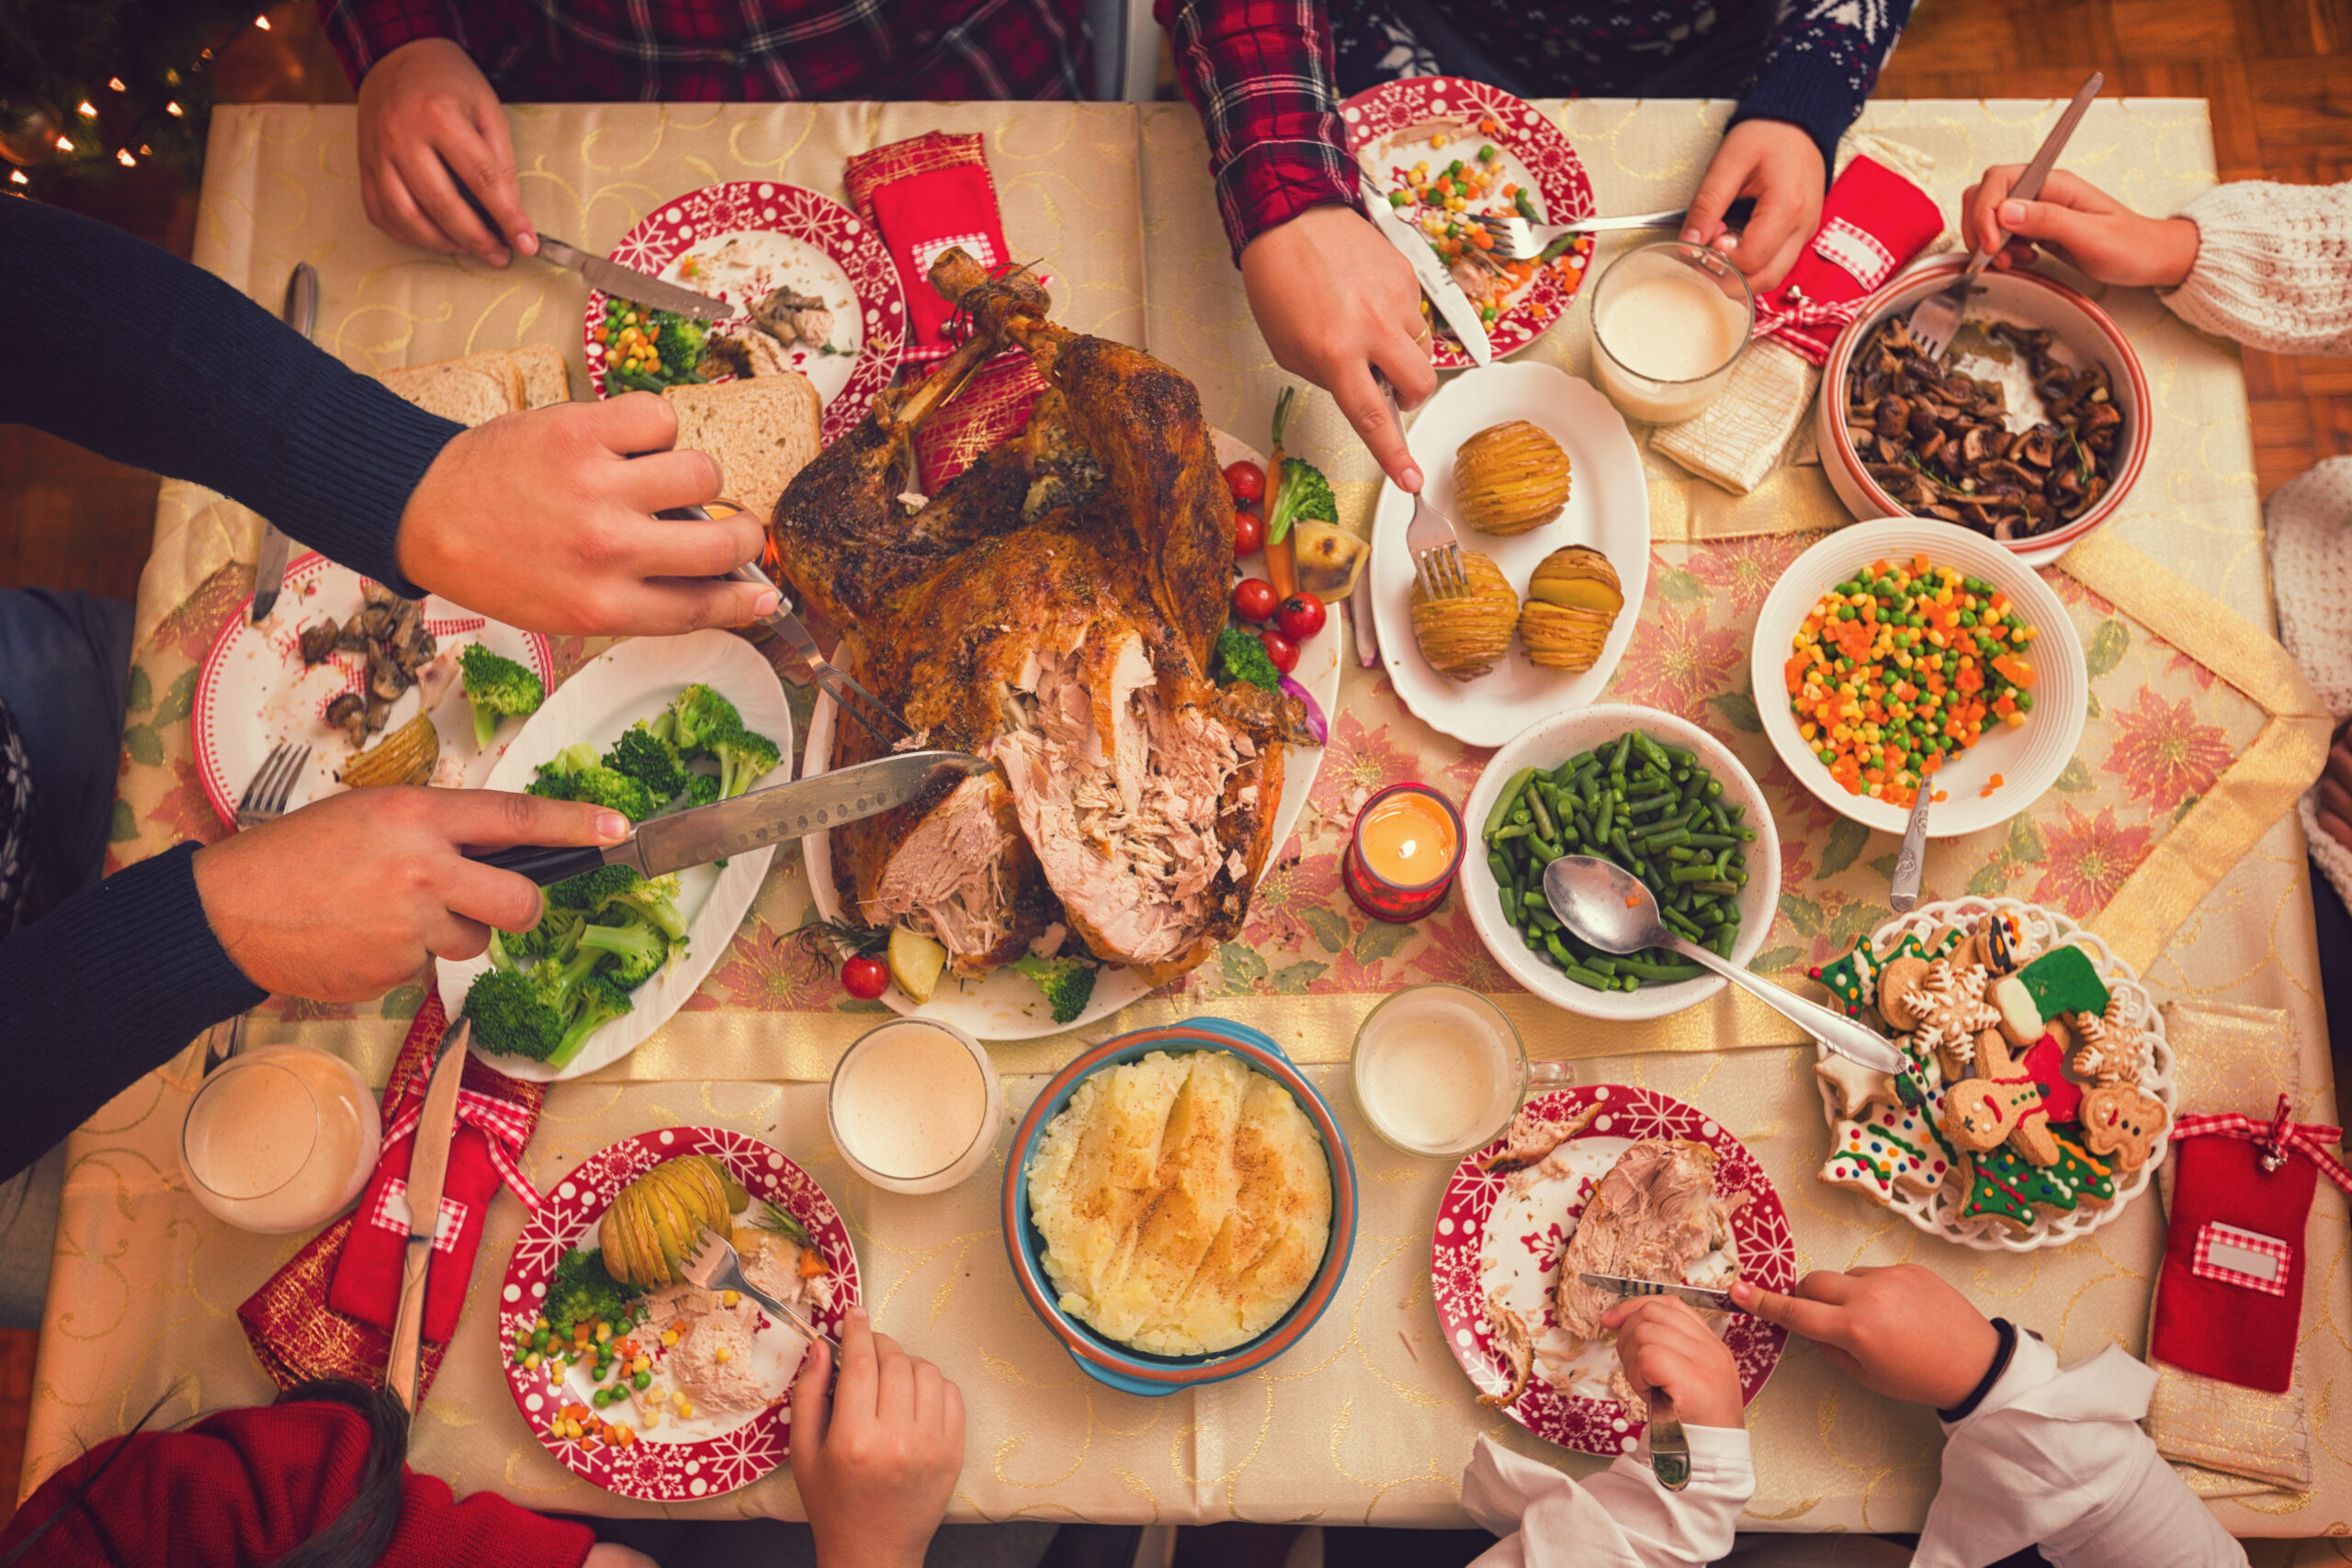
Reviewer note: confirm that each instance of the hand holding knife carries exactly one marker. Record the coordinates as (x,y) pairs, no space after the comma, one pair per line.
(626,283)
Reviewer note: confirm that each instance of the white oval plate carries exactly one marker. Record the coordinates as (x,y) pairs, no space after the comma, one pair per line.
(2029,758)
(254,690)
(1002,1004)
(631,681)
(1608,509)
(1547,744)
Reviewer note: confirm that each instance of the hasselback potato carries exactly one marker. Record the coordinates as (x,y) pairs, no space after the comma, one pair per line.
(1509,478)
(406,756)
(1572,602)
(1466,637)
(655,1223)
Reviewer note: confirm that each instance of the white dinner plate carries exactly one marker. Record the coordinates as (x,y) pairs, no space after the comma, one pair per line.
(631,681)
(1609,510)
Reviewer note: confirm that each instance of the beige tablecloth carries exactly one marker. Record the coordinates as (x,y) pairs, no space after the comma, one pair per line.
(2166,835)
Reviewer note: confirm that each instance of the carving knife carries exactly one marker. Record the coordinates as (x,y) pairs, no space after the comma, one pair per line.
(428,1165)
(300,313)
(1436,282)
(626,282)
(1697,1295)
(749,821)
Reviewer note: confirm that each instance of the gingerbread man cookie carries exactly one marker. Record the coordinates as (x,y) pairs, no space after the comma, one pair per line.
(2002,1105)
(2110,1049)
(2120,1121)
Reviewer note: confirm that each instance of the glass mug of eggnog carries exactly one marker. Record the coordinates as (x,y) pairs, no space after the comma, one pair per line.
(1438,1070)
(914,1106)
(1668,323)
(280,1139)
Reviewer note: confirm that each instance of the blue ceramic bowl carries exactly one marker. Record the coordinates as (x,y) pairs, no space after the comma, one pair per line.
(1104,1359)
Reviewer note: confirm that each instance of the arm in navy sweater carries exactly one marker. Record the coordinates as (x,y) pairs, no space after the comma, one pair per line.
(1821,60)
(153,361)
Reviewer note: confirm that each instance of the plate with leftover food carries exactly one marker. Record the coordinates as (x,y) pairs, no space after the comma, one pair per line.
(1606,1180)
(1445,150)
(375,685)
(1545,486)
(2040,1101)
(819,297)
(1040,994)
(631,1375)
(651,725)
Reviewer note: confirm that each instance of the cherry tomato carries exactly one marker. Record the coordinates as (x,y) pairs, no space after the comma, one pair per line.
(1247,481)
(1300,616)
(864,978)
(1253,599)
(1280,650)
(1249,534)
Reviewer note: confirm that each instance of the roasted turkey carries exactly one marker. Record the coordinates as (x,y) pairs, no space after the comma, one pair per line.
(1053,608)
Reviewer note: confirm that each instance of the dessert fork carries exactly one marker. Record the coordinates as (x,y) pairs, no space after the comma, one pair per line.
(716,1266)
(1431,537)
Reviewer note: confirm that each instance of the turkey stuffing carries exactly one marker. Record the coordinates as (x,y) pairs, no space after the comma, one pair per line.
(1052,608)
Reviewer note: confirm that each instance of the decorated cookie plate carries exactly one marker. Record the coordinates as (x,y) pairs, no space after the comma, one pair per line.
(1902,1157)
(1504,1235)
(1397,125)
(680,1458)
(742,240)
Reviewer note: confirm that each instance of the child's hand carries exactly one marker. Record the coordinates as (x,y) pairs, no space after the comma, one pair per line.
(2082,225)
(1666,1345)
(1900,1331)
(876,1463)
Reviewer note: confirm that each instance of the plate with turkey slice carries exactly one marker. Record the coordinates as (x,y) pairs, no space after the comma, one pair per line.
(1610,1179)
(1006,1004)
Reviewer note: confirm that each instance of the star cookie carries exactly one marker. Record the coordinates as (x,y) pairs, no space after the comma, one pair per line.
(1855,1086)
(1952,1013)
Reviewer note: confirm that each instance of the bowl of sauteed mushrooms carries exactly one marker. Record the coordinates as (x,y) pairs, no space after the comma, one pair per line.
(2030,431)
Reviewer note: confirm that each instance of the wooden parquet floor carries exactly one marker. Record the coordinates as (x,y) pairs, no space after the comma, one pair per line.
(2279,74)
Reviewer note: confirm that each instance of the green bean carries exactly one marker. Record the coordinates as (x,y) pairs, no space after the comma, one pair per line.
(1645,969)
(1653,803)
(1549,849)
(1543,815)
(1648,748)
(1509,798)
(1617,757)
(1720,889)
(1712,841)
(1533,898)
(1584,976)
(1515,830)
(1674,835)
(1680,922)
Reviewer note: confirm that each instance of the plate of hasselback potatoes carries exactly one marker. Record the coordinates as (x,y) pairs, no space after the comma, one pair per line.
(1545,489)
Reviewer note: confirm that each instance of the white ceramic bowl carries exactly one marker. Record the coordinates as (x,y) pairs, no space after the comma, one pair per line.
(1547,744)
(2027,299)
(2029,758)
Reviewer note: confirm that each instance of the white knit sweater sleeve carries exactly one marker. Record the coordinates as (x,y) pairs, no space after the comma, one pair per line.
(2273,266)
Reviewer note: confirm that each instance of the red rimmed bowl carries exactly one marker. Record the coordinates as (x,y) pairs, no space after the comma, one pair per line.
(2084,332)
(1106,1360)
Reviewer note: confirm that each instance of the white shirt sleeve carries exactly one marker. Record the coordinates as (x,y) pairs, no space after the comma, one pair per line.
(1620,1519)
(2057,1458)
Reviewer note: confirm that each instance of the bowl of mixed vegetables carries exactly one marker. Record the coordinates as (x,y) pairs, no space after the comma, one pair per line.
(1905,654)
(1659,796)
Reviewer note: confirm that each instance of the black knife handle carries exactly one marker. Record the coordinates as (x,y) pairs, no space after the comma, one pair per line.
(543,863)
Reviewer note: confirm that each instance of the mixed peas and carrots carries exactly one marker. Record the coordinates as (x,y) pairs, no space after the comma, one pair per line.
(1445,203)
(1902,666)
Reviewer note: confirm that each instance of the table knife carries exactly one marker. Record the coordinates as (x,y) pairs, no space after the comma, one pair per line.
(626,282)
(750,822)
(1436,282)
(300,313)
(428,1165)
(1697,1295)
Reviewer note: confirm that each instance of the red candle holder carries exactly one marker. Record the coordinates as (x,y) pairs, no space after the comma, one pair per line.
(1383,897)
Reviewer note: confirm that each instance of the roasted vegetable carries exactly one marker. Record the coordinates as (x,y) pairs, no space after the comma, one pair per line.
(406,756)
(1466,637)
(916,960)
(1509,478)
(1241,657)
(1329,559)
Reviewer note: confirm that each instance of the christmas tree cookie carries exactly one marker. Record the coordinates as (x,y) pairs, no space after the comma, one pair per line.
(1896,1148)
(2013,1190)
(1852,980)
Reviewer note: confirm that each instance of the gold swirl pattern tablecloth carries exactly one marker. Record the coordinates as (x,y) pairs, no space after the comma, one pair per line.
(2168,833)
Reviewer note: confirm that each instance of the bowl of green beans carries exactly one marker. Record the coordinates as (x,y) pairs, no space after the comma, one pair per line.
(1659,796)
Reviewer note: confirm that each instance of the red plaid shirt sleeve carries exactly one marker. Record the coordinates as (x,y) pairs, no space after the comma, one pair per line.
(1261,75)
(364,32)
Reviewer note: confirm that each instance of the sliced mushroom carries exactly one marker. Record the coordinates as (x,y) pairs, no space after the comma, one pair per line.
(317,641)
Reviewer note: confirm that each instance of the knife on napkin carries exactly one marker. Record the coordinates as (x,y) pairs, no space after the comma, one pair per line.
(429,1167)
(611,277)
(749,821)
(300,313)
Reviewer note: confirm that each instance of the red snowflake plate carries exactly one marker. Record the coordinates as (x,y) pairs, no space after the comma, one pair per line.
(1464,1258)
(253,690)
(653,1469)
(1535,148)
(786,235)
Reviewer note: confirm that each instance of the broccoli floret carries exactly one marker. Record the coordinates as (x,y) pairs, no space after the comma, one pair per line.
(743,758)
(583,1291)
(702,789)
(1241,657)
(591,890)
(656,899)
(512,1015)
(1306,497)
(556,935)
(601,1001)
(636,947)
(600,786)
(680,343)
(1066,982)
(554,776)
(650,760)
(498,688)
(701,716)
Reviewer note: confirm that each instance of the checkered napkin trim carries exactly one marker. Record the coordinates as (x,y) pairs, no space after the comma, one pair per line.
(391,1212)
(2311,1140)
(2213,1232)
(1862,253)
(505,1127)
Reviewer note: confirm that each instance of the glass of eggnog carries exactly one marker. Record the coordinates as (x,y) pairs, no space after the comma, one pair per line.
(915,1106)
(280,1139)
(1668,323)
(1438,1070)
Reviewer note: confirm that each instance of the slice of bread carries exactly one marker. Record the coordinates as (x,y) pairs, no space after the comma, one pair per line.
(545,380)
(474,390)
(762,430)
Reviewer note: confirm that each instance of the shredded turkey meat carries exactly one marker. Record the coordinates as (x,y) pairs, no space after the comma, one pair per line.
(948,881)
(1652,1217)
(1514,1344)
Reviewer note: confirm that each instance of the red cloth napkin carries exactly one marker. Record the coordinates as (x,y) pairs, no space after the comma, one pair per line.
(329,1311)
(1873,223)
(923,196)
(2230,1295)
(994,404)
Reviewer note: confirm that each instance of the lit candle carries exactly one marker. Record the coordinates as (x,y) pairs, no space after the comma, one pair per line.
(1404,853)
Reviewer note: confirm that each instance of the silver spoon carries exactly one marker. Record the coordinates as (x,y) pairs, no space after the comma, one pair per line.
(1909,860)
(1611,908)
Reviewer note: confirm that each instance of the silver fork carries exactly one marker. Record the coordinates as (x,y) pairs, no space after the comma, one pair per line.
(264,801)
(716,1266)
(1517,239)
(1431,537)
(1935,320)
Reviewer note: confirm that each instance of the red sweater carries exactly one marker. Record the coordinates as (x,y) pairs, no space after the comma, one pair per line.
(245,1487)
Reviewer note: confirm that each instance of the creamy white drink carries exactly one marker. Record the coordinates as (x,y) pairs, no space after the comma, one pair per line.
(280,1139)
(913,1105)
(1438,1069)
(1668,323)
